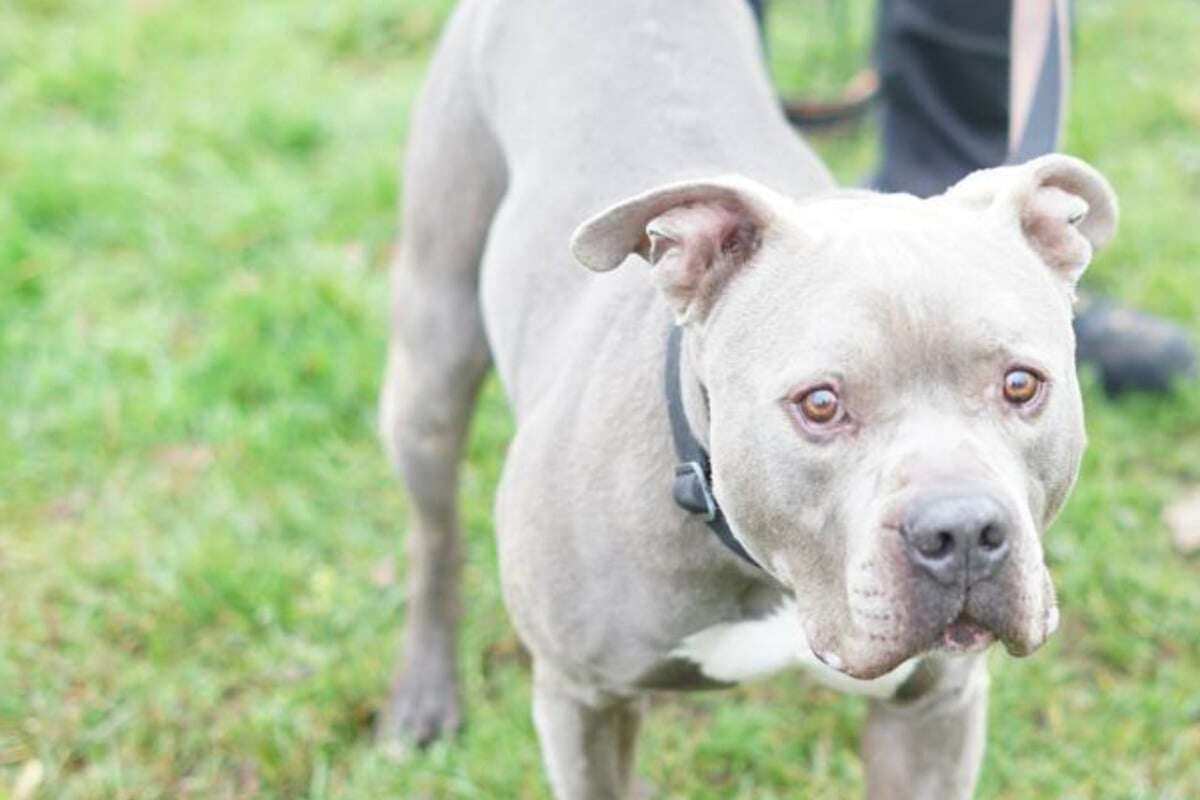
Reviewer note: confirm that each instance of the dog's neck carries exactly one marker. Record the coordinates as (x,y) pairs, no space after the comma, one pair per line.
(689,413)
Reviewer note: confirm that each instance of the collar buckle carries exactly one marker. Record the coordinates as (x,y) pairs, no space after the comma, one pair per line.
(692,492)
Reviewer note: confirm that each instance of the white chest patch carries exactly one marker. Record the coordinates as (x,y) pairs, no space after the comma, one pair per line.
(740,651)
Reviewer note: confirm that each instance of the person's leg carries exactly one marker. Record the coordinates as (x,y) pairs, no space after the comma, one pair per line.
(943,69)
(966,86)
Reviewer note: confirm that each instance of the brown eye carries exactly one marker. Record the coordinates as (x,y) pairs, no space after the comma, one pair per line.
(1021,386)
(820,405)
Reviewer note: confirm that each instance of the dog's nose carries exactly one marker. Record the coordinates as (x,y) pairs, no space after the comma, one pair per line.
(957,536)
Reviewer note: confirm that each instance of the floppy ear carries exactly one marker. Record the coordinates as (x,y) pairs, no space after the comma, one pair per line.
(695,235)
(1063,206)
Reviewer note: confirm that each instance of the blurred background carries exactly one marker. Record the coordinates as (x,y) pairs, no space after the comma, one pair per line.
(200,541)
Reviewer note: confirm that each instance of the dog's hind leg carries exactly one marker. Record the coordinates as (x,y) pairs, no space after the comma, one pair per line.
(438,356)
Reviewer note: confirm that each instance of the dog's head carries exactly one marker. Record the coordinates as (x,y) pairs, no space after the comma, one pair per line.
(894,416)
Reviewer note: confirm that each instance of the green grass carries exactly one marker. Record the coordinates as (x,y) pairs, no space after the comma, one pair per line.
(196,522)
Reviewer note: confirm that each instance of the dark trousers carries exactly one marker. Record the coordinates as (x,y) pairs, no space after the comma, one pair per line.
(966,84)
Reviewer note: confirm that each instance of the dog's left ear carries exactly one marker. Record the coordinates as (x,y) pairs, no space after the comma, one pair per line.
(695,235)
(1063,206)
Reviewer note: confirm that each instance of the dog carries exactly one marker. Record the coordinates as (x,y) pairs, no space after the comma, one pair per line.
(774,424)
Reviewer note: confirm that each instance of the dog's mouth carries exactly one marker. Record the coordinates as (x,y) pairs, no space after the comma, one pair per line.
(965,635)
(888,627)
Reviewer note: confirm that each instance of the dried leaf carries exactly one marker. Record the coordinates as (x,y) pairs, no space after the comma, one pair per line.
(1183,518)
(28,780)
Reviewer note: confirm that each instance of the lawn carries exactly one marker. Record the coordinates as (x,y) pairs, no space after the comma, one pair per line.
(201,542)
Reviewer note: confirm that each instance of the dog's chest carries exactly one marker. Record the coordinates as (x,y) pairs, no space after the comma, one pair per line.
(733,652)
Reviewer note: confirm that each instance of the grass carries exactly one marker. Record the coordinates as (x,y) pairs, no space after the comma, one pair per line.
(199,535)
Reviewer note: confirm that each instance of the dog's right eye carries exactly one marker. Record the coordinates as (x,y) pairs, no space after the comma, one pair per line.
(1021,386)
(820,405)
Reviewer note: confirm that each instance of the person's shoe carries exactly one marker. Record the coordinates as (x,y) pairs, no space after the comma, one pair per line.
(1131,351)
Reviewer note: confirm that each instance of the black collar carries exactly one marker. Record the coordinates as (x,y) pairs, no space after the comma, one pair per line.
(693,474)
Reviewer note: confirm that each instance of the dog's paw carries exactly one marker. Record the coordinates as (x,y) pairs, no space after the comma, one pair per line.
(424,706)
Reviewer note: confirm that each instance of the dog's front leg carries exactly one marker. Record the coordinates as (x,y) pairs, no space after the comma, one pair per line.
(588,738)
(927,742)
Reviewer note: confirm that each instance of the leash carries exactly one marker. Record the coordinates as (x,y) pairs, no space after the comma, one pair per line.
(692,488)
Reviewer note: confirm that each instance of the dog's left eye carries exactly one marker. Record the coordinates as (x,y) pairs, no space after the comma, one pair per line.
(1021,386)
(820,405)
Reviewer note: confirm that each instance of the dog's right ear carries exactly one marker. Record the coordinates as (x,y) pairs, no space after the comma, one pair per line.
(695,235)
